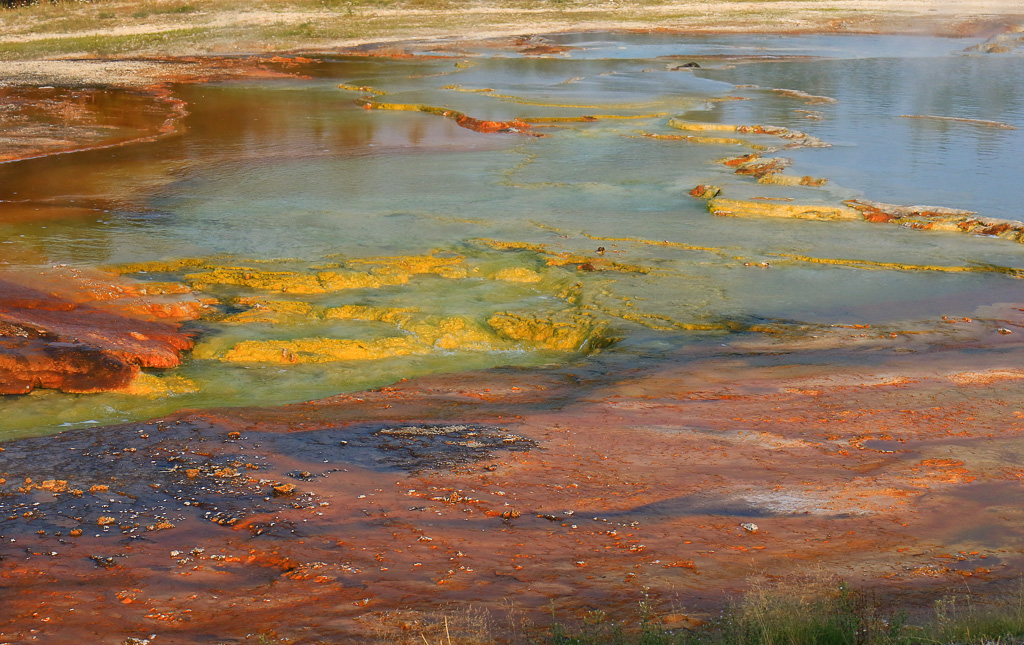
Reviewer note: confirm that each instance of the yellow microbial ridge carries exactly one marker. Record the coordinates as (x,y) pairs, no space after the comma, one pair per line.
(729,141)
(158,386)
(271,311)
(797,138)
(159,266)
(559,119)
(638,240)
(456,333)
(567,258)
(517,274)
(320,350)
(362,88)
(690,126)
(651,321)
(563,331)
(590,263)
(566,332)
(739,208)
(383,271)
(393,315)
(791,180)
(342,280)
(409,107)
(870,264)
(284,281)
(513,246)
(447,267)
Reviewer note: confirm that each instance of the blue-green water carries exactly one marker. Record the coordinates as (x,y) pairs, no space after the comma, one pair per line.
(297,169)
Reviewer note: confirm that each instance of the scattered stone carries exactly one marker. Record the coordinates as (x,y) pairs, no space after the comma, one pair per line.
(106,562)
(284,490)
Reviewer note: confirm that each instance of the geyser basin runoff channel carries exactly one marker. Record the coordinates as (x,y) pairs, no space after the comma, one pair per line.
(720,282)
(370,219)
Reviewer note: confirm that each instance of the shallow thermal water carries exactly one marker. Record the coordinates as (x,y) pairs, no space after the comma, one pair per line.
(296,169)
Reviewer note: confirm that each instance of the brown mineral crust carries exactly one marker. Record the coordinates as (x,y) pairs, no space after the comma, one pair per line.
(478,125)
(733,162)
(761,167)
(938,218)
(638,480)
(28,364)
(895,211)
(61,329)
(141,342)
(463,120)
(705,191)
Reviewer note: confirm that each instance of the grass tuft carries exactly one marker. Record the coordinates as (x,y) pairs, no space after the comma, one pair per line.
(809,610)
(806,610)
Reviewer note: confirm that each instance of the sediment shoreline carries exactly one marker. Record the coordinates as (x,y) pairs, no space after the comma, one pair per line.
(283,28)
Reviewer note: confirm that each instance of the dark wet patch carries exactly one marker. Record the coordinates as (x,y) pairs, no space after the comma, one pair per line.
(139,478)
(392,448)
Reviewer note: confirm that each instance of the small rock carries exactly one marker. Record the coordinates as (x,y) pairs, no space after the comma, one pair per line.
(750,527)
(284,490)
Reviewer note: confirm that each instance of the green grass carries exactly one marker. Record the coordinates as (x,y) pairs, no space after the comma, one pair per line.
(100,45)
(62,24)
(813,610)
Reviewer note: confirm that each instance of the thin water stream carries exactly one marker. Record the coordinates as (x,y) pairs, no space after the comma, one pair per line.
(588,228)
